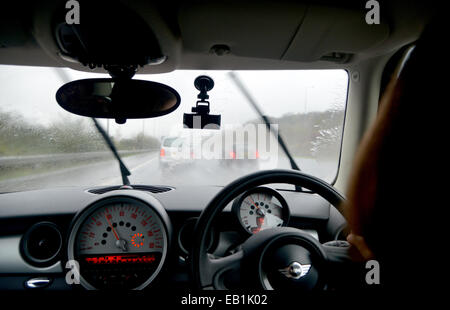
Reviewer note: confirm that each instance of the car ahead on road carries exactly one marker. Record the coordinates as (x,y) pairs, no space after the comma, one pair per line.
(107,77)
(172,152)
(241,156)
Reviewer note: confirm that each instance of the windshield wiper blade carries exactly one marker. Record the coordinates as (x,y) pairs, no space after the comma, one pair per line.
(265,119)
(123,169)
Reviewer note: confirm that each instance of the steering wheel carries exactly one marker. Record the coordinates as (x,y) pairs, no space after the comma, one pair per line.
(281,257)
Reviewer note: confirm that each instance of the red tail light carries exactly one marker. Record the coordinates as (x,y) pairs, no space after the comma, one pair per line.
(162,153)
(232,155)
(256,154)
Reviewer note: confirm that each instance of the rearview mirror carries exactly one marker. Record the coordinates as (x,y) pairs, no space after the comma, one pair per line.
(117,99)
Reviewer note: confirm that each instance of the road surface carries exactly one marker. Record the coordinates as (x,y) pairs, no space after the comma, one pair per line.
(145,169)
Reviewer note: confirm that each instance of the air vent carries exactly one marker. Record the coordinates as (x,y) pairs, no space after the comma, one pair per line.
(41,244)
(146,188)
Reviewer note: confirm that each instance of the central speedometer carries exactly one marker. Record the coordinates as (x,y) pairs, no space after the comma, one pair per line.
(118,242)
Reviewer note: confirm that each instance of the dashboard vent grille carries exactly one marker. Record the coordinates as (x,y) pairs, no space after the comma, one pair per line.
(41,244)
(146,188)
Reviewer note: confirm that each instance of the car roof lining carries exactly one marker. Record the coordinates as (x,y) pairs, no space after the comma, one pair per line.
(264,35)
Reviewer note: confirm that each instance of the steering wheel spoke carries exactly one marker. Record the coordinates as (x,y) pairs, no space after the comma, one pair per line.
(217,267)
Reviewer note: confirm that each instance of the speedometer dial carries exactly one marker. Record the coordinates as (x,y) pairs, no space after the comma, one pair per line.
(118,243)
(261,208)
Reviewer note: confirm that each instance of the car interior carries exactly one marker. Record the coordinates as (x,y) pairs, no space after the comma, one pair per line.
(103,185)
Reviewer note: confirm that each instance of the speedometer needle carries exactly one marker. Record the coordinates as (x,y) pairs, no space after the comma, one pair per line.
(254,203)
(120,243)
(112,228)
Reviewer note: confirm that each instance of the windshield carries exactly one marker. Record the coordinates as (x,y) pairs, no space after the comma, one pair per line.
(43,146)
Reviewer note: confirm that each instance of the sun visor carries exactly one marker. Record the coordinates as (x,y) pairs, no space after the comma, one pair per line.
(332,33)
(240,28)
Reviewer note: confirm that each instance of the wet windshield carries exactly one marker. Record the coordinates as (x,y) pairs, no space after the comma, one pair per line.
(43,146)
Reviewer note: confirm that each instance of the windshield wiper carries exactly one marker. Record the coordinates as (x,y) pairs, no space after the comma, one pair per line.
(123,169)
(265,119)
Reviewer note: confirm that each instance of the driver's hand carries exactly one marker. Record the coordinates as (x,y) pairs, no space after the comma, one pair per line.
(359,243)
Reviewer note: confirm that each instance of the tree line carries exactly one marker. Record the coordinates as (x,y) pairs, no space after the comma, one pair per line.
(314,134)
(21,137)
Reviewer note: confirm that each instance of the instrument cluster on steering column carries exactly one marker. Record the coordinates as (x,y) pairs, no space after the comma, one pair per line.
(119,242)
(261,208)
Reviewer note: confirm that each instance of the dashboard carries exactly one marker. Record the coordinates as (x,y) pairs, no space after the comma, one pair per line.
(108,237)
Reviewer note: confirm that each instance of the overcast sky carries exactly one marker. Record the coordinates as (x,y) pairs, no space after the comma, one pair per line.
(30,92)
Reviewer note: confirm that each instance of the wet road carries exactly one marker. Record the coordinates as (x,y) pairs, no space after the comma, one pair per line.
(145,169)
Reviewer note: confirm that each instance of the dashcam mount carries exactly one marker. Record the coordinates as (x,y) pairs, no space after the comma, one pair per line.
(201,110)
(204,84)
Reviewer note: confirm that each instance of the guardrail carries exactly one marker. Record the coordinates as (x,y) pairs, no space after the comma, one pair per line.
(29,160)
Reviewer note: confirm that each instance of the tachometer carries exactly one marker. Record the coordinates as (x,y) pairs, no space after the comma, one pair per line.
(118,243)
(261,208)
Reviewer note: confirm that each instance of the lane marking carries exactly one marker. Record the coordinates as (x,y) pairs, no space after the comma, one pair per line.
(116,180)
(143,164)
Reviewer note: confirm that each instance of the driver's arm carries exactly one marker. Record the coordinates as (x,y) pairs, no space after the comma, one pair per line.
(359,244)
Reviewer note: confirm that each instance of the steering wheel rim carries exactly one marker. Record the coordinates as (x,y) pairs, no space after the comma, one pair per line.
(201,264)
